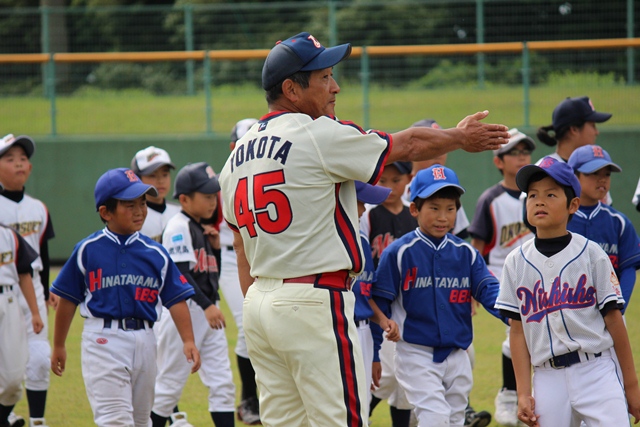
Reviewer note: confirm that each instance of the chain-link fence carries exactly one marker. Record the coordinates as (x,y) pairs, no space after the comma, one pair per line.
(220,26)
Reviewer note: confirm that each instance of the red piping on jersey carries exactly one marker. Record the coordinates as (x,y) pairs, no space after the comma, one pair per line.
(347,234)
(346,359)
(232,227)
(273,114)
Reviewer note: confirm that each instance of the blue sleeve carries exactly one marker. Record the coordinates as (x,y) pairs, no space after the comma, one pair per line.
(485,287)
(176,287)
(376,333)
(629,247)
(627,278)
(70,283)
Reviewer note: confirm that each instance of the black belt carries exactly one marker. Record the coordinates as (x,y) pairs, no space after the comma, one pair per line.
(566,360)
(229,248)
(359,322)
(128,324)
(6,288)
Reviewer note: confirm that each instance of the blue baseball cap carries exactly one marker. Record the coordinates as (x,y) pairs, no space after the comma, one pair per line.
(121,184)
(576,110)
(302,52)
(591,158)
(428,181)
(559,171)
(372,194)
(196,177)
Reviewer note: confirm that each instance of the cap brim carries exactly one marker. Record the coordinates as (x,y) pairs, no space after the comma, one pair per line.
(430,190)
(328,58)
(136,190)
(210,187)
(524,175)
(598,117)
(596,165)
(512,143)
(152,168)
(23,141)
(372,194)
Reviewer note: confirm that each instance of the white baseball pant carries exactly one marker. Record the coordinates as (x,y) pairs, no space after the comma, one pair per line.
(173,368)
(119,369)
(366,344)
(13,348)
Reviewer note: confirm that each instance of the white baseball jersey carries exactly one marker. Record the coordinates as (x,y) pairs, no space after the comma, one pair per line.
(288,188)
(559,298)
(498,222)
(156,221)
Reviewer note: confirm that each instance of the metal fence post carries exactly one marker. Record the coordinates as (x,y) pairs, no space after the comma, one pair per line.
(188,41)
(480,40)
(207,91)
(630,51)
(364,76)
(44,43)
(50,84)
(526,82)
(333,30)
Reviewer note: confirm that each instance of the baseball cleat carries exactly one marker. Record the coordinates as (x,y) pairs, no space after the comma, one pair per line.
(476,419)
(507,408)
(37,422)
(248,411)
(179,419)
(15,420)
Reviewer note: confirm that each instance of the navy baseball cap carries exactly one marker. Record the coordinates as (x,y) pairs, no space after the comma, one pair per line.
(428,181)
(372,194)
(302,52)
(403,167)
(559,171)
(241,128)
(591,158)
(426,123)
(121,184)
(515,138)
(196,177)
(149,160)
(576,110)
(23,141)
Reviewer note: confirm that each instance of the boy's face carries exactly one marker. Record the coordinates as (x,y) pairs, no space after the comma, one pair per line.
(199,205)
(513,160)
(161,179)
(15,168)
(595,186)
(547,208)
(397,182)
(436,216)
(128,216)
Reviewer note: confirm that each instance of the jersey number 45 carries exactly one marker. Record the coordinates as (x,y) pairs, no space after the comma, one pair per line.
(272,221)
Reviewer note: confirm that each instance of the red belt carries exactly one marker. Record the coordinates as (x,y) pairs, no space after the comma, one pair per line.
(334,280)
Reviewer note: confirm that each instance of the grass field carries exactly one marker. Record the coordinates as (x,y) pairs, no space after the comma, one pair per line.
(68,404)
(134,112)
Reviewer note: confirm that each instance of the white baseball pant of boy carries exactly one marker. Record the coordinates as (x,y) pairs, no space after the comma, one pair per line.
(13,348)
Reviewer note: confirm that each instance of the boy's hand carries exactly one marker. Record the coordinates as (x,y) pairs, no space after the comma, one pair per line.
(193,355)
(215,317)
(58,360)
(53,301)
(633,402)
(36,322)
(213,235)
(526,411)
(392,330)
(376,373)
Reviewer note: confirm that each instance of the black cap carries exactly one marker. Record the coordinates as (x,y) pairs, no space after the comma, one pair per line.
(404,168)
(196,177)
(572,111)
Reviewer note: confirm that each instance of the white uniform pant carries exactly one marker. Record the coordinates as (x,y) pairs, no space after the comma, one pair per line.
(590,391)
(39,363)
(389,388)
(230,287)
(439,391)
(13,348)
(119,369)
(173,368)
(304,348)
(366,344)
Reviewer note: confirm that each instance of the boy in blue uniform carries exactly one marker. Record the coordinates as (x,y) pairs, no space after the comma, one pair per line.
(601,223)
(425,281)
(121,279)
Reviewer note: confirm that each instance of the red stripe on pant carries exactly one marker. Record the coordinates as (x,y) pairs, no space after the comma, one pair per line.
(347,362)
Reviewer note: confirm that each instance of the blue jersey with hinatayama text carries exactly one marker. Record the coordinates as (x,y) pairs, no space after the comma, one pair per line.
(362,284)
(427,285)
(113,276)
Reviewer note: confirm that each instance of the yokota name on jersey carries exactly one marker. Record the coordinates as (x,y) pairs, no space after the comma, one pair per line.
(268,146)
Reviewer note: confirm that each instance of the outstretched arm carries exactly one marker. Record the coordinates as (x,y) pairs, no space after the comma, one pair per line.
(422,143)
(64,316)
(182,319)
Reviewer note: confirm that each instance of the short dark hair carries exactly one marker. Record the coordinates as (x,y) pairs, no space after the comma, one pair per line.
(301,77)
(450,193)
(546,138)
(111,205)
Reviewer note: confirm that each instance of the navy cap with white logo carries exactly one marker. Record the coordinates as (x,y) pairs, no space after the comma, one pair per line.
(196,177)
